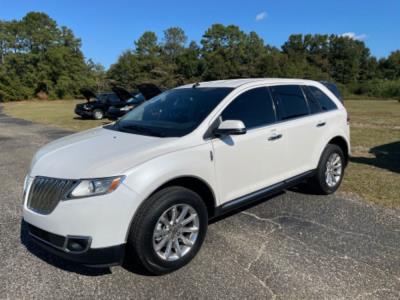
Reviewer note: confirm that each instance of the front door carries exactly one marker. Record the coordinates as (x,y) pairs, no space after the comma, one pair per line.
(252,161)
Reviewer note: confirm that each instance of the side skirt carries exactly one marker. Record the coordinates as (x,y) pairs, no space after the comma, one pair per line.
(260,194)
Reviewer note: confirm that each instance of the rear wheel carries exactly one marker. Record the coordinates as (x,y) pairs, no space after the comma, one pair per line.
(98,114)
(168,230)
(330,170)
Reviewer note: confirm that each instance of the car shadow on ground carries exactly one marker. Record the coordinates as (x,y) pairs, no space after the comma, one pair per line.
(105,121)
(386,157)
(129,265)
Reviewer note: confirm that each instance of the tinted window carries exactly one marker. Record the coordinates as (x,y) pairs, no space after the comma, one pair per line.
(313,104)
(173,113)
(108,97)
(254,108)
(333,88)
(325,102)
(290,101)
(113,98)
(102,97)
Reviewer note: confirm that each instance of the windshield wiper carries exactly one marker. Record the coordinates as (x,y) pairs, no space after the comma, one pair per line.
(141,129)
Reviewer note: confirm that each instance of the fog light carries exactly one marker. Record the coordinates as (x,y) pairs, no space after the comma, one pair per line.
(77,244)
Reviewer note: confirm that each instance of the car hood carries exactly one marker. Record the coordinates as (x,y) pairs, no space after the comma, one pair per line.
(149,90)
(122,94)
(88,94)
(98,152)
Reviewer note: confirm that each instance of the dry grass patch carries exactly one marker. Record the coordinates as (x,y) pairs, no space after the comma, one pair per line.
(59,113)
(374,169)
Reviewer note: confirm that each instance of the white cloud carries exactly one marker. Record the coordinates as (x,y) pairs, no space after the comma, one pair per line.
(354,36)
(261,16)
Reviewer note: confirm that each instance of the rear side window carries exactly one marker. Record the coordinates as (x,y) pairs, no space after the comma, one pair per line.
(254,108)
(290,101)
(325,102)
(313,104)
(333,88)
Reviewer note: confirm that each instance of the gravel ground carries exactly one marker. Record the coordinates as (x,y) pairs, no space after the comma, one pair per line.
(292,246)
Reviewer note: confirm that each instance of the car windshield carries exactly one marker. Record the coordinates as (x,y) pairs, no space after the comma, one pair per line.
(104,97)
(173,113)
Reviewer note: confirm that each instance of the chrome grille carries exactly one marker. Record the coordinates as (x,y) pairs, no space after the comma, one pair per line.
(46,192)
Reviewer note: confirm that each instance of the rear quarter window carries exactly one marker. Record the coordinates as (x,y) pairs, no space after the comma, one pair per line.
(325,102)
(312,102)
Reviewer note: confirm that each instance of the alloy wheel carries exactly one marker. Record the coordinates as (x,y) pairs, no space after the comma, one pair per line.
(333,170)
(176,232)
(98,115)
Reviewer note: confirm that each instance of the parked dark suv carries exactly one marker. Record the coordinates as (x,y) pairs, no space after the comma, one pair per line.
(97,104)
(146,92)
(120,100)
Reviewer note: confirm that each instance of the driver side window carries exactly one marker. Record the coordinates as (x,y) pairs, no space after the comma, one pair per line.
(254,108)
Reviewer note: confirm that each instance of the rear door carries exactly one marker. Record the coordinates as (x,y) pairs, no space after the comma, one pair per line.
(297,129)
(326,117)
(252,161)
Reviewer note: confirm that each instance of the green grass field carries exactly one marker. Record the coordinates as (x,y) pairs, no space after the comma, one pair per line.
(59,113)
(374,170)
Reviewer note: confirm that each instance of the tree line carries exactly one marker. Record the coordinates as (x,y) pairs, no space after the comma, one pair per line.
(38,57)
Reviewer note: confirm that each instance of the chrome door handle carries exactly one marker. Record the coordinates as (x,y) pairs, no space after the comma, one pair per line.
(321,124)
(274,137)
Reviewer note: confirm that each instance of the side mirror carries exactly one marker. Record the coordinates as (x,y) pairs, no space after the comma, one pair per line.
(230,127)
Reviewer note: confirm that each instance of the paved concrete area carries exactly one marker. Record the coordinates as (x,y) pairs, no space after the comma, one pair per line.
(292,246)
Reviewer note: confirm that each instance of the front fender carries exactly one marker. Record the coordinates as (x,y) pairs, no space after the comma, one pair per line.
(192,162)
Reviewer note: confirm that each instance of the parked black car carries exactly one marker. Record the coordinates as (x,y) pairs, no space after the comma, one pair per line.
(97,105)
(146,92)
(117,111)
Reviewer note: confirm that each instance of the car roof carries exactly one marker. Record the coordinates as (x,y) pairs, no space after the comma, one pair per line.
(234,83)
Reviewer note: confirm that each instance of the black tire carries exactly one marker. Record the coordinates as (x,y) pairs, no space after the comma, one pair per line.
(98,114)
(318,182)
(140,240)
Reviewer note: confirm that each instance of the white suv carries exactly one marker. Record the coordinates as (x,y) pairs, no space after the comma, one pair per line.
(145,187)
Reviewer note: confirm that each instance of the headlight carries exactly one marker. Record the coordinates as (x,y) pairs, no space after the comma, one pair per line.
(27,182)
(95,187)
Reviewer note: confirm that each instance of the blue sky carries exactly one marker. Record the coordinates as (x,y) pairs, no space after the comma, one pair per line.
(109,27)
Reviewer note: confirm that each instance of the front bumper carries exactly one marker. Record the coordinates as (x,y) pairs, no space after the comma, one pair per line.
(83,113)
(105,219)
(55,244)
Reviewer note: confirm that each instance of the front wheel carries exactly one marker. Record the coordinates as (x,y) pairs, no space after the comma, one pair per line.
(98,114)
(168,230)
(330,171)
